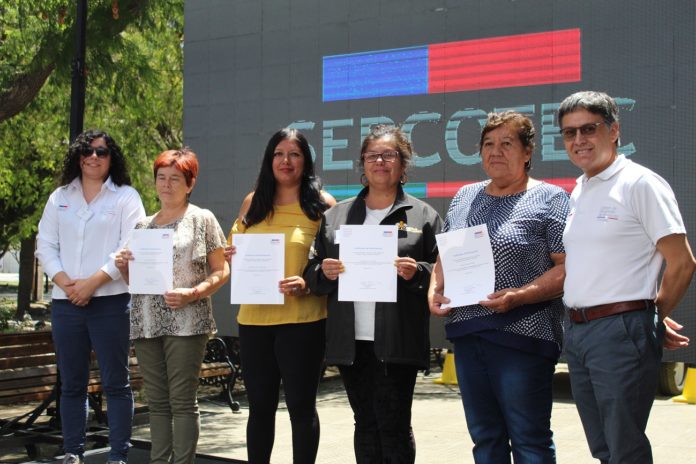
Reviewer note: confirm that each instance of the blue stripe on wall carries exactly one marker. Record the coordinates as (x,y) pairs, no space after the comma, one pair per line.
(384,73)
(341,192)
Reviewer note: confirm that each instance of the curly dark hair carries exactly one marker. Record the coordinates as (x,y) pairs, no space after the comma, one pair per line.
(71,163)
(311,201)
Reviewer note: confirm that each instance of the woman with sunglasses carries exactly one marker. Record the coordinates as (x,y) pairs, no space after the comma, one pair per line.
(84,222)
(379,347)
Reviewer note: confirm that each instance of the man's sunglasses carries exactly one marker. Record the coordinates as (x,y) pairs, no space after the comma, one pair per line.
(587,130)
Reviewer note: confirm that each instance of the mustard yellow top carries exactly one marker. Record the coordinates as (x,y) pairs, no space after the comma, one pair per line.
(299,233)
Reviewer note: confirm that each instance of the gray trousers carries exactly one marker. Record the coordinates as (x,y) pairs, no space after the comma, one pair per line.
(614,364)
(170,367)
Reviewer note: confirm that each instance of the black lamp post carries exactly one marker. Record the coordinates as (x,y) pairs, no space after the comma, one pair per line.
(77,94)
(77,118)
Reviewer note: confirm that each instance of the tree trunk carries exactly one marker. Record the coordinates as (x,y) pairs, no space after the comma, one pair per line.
(23,91)
(26,276)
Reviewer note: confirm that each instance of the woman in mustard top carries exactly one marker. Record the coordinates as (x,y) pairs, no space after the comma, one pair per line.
(284,342)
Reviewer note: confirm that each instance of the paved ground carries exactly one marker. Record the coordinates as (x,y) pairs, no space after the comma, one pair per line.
(8,285)
(9,277)
(438,423)
(439,427)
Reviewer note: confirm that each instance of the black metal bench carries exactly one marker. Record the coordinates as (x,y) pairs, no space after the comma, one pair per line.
(28,372)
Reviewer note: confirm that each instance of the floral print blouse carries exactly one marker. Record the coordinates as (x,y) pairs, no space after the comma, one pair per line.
(196,234)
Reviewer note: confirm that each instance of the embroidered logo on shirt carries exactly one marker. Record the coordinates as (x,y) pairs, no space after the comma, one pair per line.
(401,225)
(607,213)
(63,207)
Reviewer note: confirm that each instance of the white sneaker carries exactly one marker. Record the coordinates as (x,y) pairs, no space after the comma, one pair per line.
(70,458)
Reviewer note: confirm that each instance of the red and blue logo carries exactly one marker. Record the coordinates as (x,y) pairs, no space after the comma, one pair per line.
(490,63)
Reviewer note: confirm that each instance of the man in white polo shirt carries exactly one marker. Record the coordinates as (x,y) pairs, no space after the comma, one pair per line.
(624,223)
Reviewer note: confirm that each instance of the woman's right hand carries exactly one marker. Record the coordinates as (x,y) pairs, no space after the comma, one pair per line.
(437,304)
(65,283)
(121,260)
(332,268)
(229,251)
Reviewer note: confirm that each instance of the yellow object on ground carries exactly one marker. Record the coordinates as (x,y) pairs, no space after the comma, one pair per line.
(689,393)
(449,373)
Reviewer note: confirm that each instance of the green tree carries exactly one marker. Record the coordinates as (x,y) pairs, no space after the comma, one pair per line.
(134,91)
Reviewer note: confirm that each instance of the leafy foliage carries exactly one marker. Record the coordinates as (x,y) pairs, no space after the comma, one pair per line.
(134,69)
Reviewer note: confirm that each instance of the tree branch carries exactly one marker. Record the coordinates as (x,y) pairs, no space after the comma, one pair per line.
(26,86)
(23,90)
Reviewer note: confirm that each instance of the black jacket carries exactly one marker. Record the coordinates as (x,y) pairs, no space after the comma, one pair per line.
(401,328)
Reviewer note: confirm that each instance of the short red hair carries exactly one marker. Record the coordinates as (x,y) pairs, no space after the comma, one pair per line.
(184,160)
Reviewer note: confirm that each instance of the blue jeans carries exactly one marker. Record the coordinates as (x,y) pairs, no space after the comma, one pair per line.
(614,364)
(104,325)
(507,396)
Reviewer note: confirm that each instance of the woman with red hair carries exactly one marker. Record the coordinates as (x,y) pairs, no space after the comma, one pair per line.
(170,331)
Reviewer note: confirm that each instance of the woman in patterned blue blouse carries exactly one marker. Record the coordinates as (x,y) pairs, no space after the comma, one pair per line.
(506,347)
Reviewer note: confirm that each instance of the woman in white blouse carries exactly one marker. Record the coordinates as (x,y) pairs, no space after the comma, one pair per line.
(85,220)
(170,331)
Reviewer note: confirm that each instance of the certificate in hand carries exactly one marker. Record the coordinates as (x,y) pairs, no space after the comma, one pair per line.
(467,262)
(257,267)
(151,272)
(368,254)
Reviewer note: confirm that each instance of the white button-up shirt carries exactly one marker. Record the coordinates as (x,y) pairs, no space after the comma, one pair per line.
(80,238)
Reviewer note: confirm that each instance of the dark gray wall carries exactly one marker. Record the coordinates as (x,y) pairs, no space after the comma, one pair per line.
(252,67)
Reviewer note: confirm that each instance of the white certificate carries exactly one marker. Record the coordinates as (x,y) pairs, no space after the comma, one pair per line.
(467,262)
(257,268)
(151,272)
(368,254)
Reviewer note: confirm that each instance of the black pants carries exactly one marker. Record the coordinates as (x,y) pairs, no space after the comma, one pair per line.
(295,354)
(380,395)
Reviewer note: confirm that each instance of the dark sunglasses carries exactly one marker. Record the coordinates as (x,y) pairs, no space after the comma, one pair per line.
(587,130)
(102,152)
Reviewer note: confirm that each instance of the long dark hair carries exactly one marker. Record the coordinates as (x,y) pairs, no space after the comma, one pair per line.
(311,201)
(71,162)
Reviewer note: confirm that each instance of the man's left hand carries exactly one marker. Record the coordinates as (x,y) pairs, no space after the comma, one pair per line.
(674,340)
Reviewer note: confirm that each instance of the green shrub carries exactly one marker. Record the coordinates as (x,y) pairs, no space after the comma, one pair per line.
(8,307)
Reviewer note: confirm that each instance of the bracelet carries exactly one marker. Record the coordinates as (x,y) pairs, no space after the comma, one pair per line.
(196,294)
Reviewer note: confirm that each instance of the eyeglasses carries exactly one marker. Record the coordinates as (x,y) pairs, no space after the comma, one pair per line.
(587,130)
(387,156)
(102,152)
